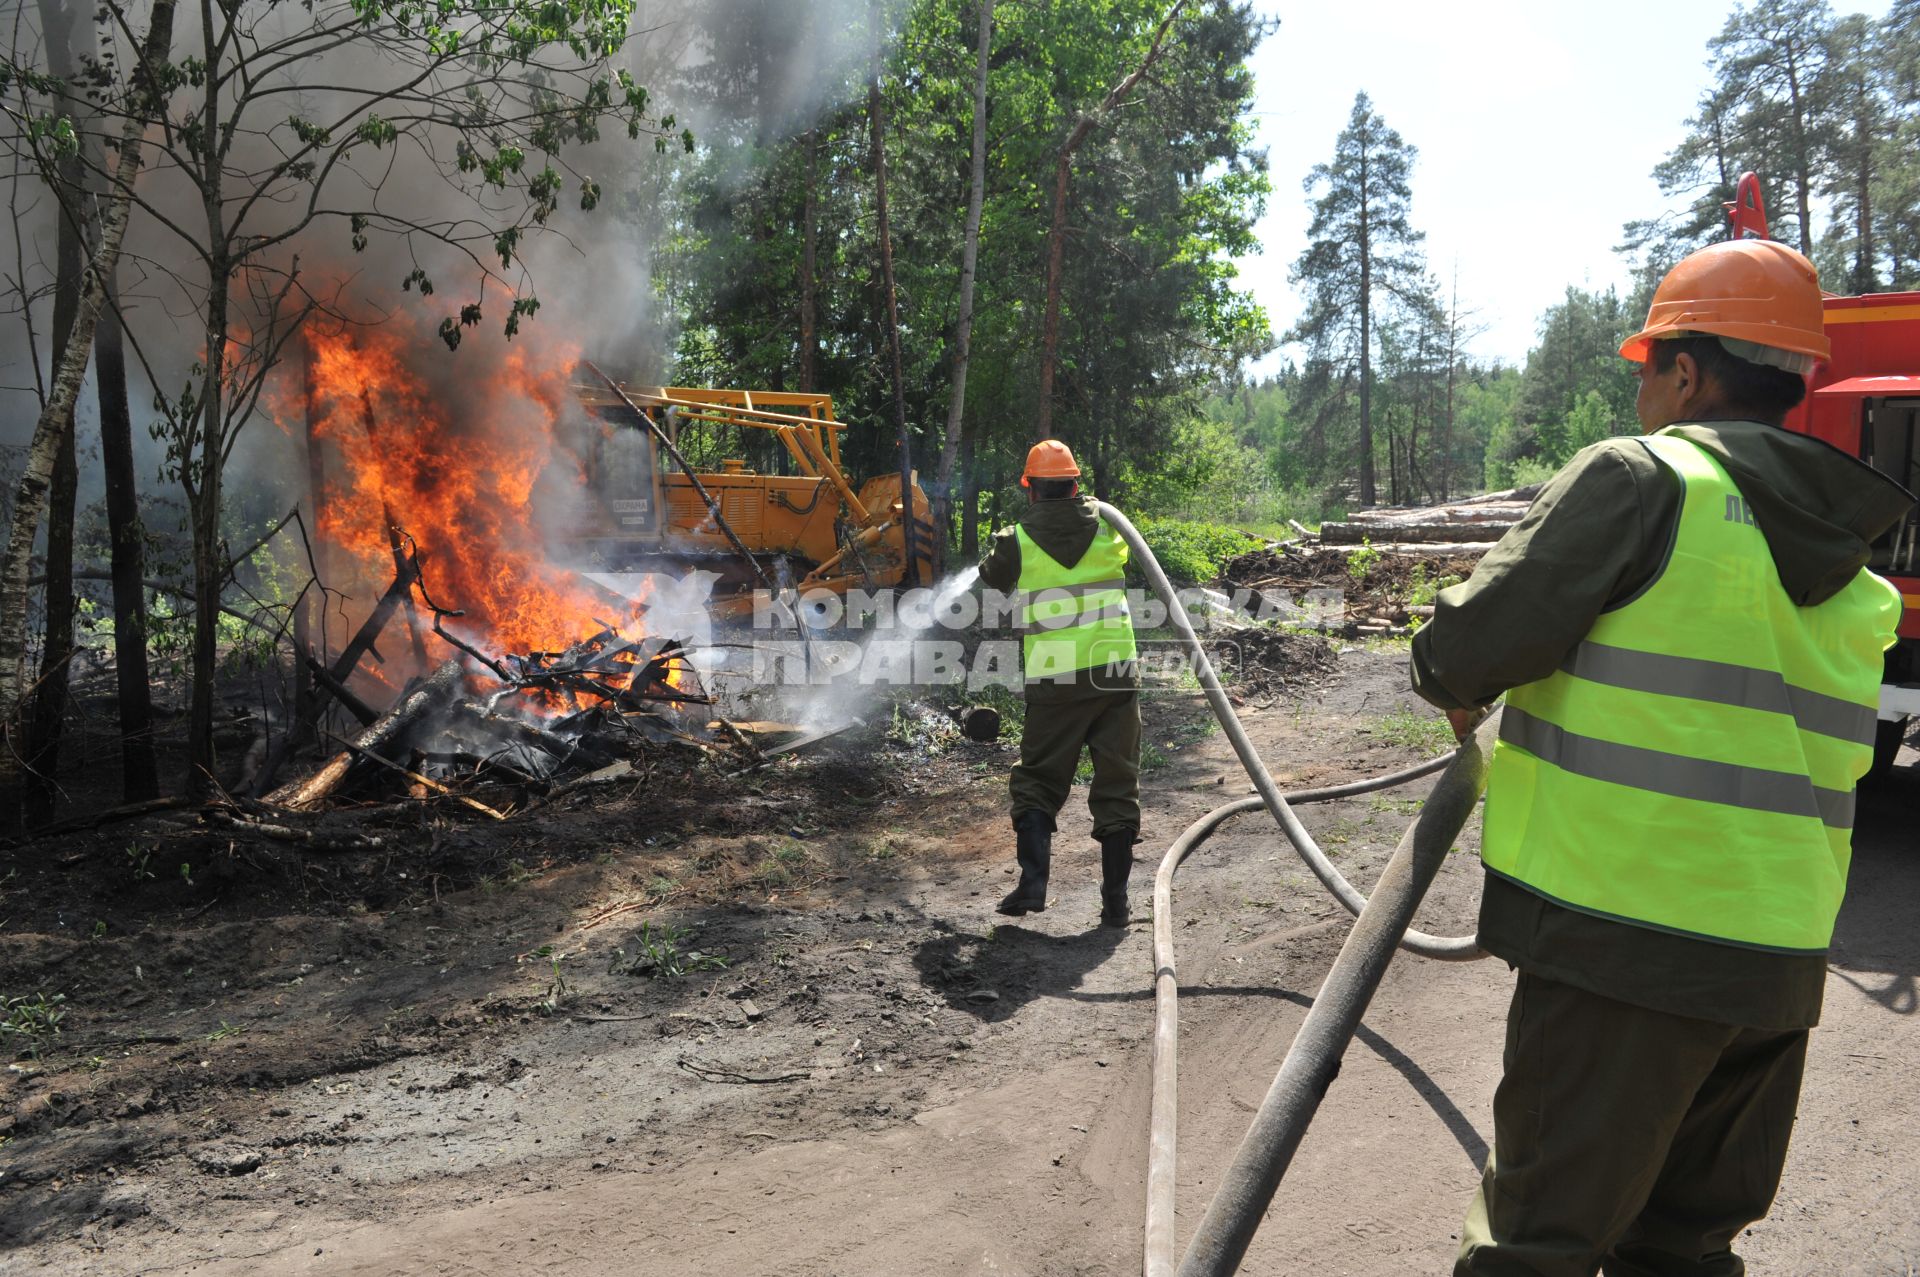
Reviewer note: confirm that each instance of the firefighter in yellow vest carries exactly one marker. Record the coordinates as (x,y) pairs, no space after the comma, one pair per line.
(1066,570)
(1691,649)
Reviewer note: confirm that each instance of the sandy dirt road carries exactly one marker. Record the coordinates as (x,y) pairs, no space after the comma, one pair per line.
(957,1097)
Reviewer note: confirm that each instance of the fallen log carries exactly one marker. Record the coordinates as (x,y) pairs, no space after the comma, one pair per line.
(1502,512)
(1354,533)
(418,779)
(436,692)
(311,839)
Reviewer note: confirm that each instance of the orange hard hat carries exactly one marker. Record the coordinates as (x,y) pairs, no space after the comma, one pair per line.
(1050,459)
(1749,290)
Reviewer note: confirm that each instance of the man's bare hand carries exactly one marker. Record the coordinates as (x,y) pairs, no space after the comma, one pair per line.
(1463,721)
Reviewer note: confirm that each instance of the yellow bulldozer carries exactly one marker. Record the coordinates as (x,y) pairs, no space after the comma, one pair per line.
(672,486)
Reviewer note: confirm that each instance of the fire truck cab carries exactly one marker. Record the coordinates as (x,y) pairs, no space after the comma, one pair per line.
(1866,401)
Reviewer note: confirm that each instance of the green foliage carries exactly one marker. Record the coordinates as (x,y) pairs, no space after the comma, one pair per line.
(1163,196)
(1578,358)
(1191,553)
(36,1019)
(1422,591)
(1825,107)
(1362,560)
(1590,421)
(659,951)
(1529,470)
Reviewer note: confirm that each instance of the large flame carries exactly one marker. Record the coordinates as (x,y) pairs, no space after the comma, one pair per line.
(453,459)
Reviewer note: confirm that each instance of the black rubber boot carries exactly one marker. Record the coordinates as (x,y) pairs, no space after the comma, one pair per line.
(1033,848)
(1116,862)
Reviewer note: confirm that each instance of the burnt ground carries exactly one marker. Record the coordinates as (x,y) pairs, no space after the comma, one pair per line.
(524,1055)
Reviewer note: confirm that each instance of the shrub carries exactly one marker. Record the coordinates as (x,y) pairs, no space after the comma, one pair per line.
(1192,553)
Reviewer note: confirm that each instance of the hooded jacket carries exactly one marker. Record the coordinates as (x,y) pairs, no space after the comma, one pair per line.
(1596,535)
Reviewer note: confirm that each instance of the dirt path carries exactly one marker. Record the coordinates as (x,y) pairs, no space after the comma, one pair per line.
(882,1081)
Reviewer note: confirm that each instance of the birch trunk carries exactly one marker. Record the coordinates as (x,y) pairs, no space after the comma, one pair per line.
(56,417)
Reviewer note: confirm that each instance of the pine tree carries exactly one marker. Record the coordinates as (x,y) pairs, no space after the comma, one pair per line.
(1361,245)
(1774,61)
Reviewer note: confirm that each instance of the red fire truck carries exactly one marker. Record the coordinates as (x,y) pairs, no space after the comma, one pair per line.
(1866,401)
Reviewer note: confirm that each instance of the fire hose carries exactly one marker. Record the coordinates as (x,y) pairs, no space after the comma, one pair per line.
(1382,923)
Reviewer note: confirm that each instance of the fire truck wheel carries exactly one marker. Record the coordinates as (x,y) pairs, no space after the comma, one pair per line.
(1886,745)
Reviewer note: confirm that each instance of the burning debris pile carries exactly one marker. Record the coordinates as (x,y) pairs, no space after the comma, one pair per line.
(534,724)
(430,500)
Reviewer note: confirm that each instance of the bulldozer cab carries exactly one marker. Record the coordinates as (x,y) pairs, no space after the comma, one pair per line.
(746,484)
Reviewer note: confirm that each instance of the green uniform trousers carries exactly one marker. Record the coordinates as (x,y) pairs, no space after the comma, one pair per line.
(1628,1141)
(1107,724)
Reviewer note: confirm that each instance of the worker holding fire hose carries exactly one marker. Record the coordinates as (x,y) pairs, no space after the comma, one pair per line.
(1066,570)
(1691,650)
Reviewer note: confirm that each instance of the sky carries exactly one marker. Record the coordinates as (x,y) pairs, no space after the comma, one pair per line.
(1538,126)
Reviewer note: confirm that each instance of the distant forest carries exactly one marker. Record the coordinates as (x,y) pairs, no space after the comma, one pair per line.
(1130,195)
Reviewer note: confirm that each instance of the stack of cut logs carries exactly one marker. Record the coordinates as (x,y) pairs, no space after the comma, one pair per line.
(1462,527)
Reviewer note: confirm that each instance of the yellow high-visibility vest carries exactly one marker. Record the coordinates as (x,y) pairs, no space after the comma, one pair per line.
(1691,766)
(1074,618)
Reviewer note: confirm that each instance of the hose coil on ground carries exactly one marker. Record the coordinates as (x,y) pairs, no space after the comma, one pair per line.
(1250,1182)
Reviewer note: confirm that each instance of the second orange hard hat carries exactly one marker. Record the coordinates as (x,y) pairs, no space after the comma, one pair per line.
(1750,290)
(1049,459)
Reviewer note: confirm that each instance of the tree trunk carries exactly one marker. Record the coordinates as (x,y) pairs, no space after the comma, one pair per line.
(1057,233)
(139,777)
(911,532)
(208,569)
(1368,492)
(1453,365)
(969,260)
(56,416)
(56,647)
(809,269)
(969,502)
(1863,261)
(204,482)
(1802,157)
(58,24)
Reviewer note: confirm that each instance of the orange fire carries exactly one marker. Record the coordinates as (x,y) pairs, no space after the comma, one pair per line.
(456,460)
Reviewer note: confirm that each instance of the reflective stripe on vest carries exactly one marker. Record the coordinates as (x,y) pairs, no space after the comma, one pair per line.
(1691,766)
(1073,618)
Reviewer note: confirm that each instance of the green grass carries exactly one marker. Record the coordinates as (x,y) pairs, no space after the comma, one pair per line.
(1152,758)
(663,951)
(1427,733)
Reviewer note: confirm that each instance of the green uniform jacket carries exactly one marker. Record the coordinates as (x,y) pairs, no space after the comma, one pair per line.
(1596,535)
(1064,529)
